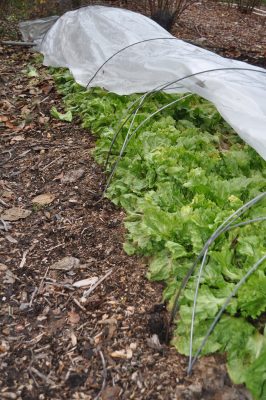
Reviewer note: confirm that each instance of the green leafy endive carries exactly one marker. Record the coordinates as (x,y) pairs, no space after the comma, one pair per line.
(183,173)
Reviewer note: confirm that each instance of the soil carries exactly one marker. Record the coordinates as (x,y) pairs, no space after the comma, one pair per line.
(60,341)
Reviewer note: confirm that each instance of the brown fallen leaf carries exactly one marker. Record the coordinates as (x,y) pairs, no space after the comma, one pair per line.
(154,343)
(111,393)
(73,317)
(111,327)
(43,120)
(43,199)
(11,126)
(9,277)
(66,264)
(72,176)
(14,214)
(4,346)
(3,118)
(3,267)
(5,105)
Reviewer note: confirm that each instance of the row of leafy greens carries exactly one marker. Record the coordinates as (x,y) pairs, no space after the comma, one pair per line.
(182,175)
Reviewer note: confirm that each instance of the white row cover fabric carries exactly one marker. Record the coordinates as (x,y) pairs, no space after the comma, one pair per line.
(84,39)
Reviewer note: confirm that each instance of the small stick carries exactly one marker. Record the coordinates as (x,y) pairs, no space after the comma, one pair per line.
(23,260)
(32,297)
(3,203)
(104,376)
(42,376)
(89,291)
(52,162)
(14,43)
(79,305)
(54,247)
(4,224)
(44,276)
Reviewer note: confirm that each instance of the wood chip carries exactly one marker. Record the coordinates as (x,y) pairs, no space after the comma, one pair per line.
(86,282)
(124,354)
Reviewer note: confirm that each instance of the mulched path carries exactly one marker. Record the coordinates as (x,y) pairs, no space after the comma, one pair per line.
(225,31)
(57,342)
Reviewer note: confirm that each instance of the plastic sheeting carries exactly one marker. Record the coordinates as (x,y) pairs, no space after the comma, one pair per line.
(84,39)
(34,31)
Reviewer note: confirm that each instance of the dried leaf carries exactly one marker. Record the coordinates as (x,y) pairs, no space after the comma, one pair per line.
(86,282)
(66,264)
(3,267)
(9,277)
(73,317)
(72,176)
(3,118)
(43,120)
(154,342)
(43,199)
(11,126)
(14,214)
(111,393)
(4,346)
(73,338)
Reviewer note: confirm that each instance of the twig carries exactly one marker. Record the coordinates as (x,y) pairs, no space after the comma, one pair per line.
(54,247)
(42,376)
(32,297)
(3,203)
(44,276)
(52,162)
(14,43)
(3,222)
(6,161)
(89,291)
(23,260)
(79,305)
(104,376)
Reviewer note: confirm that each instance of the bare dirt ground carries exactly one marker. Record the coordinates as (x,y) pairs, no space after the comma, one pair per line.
(57,341)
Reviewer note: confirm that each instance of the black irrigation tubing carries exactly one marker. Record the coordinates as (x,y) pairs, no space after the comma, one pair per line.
(125,48)
(218,316)
(221,229)
(163,87)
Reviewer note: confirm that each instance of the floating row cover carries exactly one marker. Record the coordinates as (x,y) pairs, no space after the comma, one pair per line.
(84,39)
